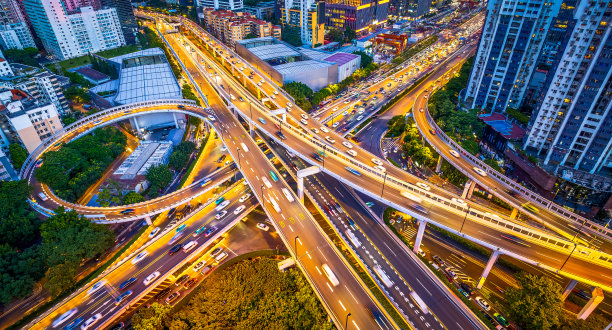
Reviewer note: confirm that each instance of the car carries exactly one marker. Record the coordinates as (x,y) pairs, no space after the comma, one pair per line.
(199,265)
(73,324)
(127,212)
(502,320)
(530,208)
(216,252)
(154,232)
(352,152)
(316,131)
(149,279)
(482,303)
(304,121)
(244,197)
(172,297)
(181,280)
(369,204)
(175,238)
(211,118)
(459,201)
(324,129)
(463,292)
(353,171)
(451,273)
(330,139)
(317,157)
(175,249)
(275,92)
(263,226)
(359,118)
(91,321)
(222,205)
(187,247)
(210,231)
(423,186)
(304,116)
(454,153)
(220,215)
(346,144)
(380,168)
(377,161)
(261,120)
(127,283)
(190,283)
(273,176)
(219,200)
(239,209)
(289,105)
(281,135)
(479,171)
(199,231)
(64,317)
(336,124)
(180,228)
(139,257)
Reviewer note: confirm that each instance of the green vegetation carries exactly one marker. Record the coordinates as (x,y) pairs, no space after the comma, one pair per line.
(396,125)
(493,200)
(190,169)
(104,67)
(69,119)
(132,197)
(413,146)
(518,116)
(180,155)
(87,59)
(301,93)
(76,79)
(453,175)
(291,35)
(335,35)
(77,94)
(366,59)
(251,294)
(70,170)
(159,176)
(18,155)
(413,50)
(536,304)
(25,56)
(152,40)
(188,94)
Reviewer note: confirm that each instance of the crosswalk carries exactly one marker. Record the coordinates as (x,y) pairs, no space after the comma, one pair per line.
(390,144)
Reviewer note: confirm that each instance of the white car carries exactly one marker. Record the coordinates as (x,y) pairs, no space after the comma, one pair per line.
(222,205)
(220,215)
(304,116)
(454,153)
(211,117)
(275,92)
(154,232)
(359,118)
(289,105)
(423,186)
(485,305)
(273,97)
(479,171)
(139,257)
(304,121)
(346,144)
(324,130)
(91,321)
(64,317)
(459,201)
(377,161)
(380,168)
(352,152)
(151,278)
(330,139)
(334,125)
(239,209)
(244,197)
(199,265)
(361,111)
(316,131)
(96,287)
(263,226)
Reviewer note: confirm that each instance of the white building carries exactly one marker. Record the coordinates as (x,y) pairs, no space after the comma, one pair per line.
(67,36)
(5,68)
(221,4)
(14,31)
(147,154)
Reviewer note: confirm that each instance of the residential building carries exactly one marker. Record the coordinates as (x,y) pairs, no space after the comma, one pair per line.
(127,20)
(362,16)
(25,120)
(230,27)
(417,8)
(7,172)
(263,10)
(512,39)
(306,15)
(67,35)
(571,127)
(221,4)
(5,68)
(42,85)
(14,30)
(147,154)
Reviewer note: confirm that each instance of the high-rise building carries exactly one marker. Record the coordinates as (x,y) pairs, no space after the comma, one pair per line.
(5,68)
(362,16)
(417,8)
(7,172)
(307,15)
(66,35)
(572,124)
(14,30)
(230,27)
(221,4)
(511,42)
(125,12)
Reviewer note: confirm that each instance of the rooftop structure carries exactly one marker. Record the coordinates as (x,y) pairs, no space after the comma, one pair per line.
(306,15)
(501,125)
(230,27)
(147,154)
(94,76)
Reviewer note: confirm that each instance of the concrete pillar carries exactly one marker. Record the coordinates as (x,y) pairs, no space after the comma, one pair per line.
(471,190)
(468,189)
(419,237)
(568,289)
(514,213)
(301,189)
(284,117)
(175,120)
(487,269)
(597,296)
(439,165)
(148,220)
(301,174)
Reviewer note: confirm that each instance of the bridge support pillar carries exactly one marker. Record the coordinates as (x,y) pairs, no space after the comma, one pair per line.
(419,236)
(568,289)
(439,165)
(514,213)
(597,296)
(468,189)
(301,174)
(284,117)
(487,269)
(148,220)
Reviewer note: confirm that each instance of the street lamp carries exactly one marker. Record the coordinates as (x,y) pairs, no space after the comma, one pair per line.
(295,245)
(575,245)
(464,218)
(579,230)
(346,323)
(383,187)
(239,164)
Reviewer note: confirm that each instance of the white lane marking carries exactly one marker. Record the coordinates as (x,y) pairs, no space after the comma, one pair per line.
(329,286)
(341,304)
(349,291)
(308,254)
(459,325)
(252,170)
(355,324)
(549,257)
(318,270)
(423,286)
(282,215)
(489,235)
(291,228)
(390,249)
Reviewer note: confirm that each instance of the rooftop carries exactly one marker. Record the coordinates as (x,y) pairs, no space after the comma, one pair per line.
(270,52)
(92,74)
(341,58)
(296,67)
(500,124)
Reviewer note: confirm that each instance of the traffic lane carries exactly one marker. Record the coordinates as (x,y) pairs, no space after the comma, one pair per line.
(397,255)
(86,303)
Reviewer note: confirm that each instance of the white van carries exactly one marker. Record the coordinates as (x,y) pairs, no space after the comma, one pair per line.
(187,247)
(288,195)
(221,257)
(244,147)
(42,196)
(330,275)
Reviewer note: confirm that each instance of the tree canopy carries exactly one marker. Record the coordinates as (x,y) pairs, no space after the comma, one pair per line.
(291,35)
(180,155)
(335,35)
(301,93)
(25,56)
(18,155)
(159,176)
(537,303)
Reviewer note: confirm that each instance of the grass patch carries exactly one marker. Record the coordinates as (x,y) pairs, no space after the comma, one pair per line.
(28,318)
(85,59)
(118,51)
(393,162)
(184,178)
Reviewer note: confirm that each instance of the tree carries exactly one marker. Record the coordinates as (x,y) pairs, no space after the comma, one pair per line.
(152,317)
(349,34)
(106,198)
(250,36)
(470,146)
(60,278)
(291,35)
(334,35)
(537,303)
(77,94)
(159,176)
(19,223)
(366,59)
(19,271)
(25,56)
(132,198)
(301,93)
(18,155)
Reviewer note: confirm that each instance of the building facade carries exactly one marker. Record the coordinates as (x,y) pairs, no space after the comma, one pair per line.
(306,15)
(230,27)
(263,10)
(66,35)
(362,16)
(512,39)
(127,20)
(572,124)
(14,30)
(7,171)
(221,4)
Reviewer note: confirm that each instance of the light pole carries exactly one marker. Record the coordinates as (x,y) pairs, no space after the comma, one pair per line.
(239,164)
(575,245)
(295,245)
(464,218)
(579,230)
(383,187)
(263,200)
(346,323)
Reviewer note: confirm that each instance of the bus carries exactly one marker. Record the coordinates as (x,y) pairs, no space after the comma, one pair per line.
(411,197)
(419,302)
(383,277)
(273,176)
(353,238)
(330,275)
